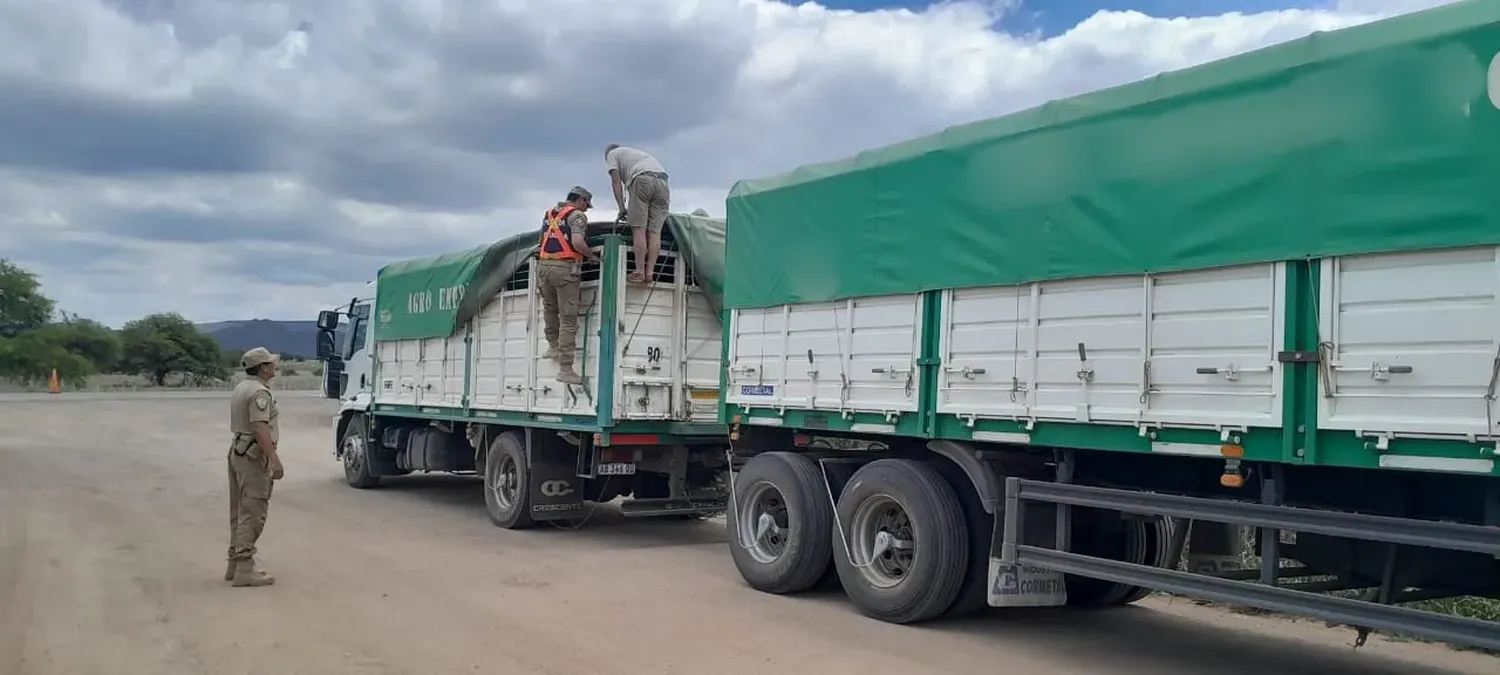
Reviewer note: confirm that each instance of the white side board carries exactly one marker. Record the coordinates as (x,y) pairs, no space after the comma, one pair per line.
(1194,349)
(669,350)
(849,356)
(667,363)
(1411,342)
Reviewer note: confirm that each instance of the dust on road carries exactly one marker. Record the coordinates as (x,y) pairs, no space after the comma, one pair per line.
(114,521)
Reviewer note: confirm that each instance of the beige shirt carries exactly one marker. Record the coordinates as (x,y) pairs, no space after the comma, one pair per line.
(631,162)
(252,402)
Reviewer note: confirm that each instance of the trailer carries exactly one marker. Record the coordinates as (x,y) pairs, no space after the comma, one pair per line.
(457,383)
(1230,332)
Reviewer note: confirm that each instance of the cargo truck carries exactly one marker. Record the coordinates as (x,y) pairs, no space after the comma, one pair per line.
(452,379)
(1068,356)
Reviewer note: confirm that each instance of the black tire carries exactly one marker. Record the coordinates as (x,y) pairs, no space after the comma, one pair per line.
(507,451)
(1136,541)
(804,515)
(974,594)
(354,448)
(1159,542)
(928,584)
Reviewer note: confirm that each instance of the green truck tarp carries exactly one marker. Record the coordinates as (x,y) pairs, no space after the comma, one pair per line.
(1379,137)
(435,297)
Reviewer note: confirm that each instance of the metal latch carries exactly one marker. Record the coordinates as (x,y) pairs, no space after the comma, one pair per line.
(1084,374)
(1378,371)
(1383,373)
(966,372)
(1230,372)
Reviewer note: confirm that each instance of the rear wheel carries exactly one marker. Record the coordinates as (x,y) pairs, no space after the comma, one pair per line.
(1106,534)
(506,481)
(780,523)
(973,595)
(355,451)
(905,548)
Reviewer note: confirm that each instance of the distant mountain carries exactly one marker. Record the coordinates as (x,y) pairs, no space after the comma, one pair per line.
(288,338)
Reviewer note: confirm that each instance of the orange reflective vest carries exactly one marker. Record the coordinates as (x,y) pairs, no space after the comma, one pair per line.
(554,244)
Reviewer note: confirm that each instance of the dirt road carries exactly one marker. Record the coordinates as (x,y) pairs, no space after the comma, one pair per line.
(113,524)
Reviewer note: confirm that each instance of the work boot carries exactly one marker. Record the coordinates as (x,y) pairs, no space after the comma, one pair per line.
(551,352)
(566,375)
(246,574)
(229,571)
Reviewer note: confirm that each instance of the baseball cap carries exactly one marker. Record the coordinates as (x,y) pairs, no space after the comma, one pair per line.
(258,356)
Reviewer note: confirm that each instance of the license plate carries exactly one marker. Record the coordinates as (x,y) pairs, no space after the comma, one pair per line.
(615,469)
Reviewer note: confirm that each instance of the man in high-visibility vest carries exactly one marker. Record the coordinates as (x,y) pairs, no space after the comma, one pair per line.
(563,248)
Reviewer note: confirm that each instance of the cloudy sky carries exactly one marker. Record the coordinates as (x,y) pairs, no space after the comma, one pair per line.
(232,159)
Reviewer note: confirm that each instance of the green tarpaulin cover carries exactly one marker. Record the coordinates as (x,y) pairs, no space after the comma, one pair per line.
(1379,137)
(435,297)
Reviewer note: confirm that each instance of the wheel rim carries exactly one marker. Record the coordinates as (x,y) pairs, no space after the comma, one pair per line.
(504,478)
(354,454)
(881,541)
(762,523)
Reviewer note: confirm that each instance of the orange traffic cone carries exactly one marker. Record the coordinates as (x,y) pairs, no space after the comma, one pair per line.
(53,387)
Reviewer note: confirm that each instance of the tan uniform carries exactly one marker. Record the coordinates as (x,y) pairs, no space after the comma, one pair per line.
(558,283)
(249,470)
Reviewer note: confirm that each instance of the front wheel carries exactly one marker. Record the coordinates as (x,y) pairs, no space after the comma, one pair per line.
(355,449)
(506,481)
(904,548)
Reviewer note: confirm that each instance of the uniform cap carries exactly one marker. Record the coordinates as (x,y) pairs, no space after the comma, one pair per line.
(258,356)
(582,192)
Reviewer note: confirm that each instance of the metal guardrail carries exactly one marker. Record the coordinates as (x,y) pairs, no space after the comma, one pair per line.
(1360,614)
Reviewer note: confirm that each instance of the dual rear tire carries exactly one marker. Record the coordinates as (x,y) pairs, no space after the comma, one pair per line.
(908,541)
(783,534)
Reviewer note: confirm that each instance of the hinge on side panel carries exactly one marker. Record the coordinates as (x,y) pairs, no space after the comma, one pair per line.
(1297,356)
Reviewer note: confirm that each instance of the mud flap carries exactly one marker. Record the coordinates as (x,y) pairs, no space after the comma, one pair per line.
(554,492)
(1026,586)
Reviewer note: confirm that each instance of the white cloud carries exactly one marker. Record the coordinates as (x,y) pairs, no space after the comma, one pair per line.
(237,158)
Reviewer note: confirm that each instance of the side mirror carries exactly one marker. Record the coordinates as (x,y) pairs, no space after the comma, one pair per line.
(328,320)
(326,351)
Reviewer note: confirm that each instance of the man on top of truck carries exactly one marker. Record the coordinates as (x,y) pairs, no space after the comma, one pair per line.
(640,174)
(560,254)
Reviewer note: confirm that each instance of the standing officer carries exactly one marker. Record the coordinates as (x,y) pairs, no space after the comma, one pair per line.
(253,464)
(559,269)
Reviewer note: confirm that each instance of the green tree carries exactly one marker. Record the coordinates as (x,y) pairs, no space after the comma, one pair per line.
(30,358)
(87,338)
(161,344)
(22,305)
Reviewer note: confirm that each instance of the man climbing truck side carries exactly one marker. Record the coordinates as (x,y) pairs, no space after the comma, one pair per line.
(560,256)
(1257,295)
(461,381)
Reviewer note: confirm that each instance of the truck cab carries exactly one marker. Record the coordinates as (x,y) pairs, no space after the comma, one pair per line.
(343,348)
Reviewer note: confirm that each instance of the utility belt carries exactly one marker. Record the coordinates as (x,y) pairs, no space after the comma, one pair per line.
(242,443)
(654,174)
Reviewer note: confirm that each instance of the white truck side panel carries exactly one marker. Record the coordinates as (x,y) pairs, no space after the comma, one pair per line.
(851,355)
(501,354)
(1412,341)
(648,361)
(1186,349)
(399,372)
(547,394)
(669,342)
(702,358)
(668,364)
